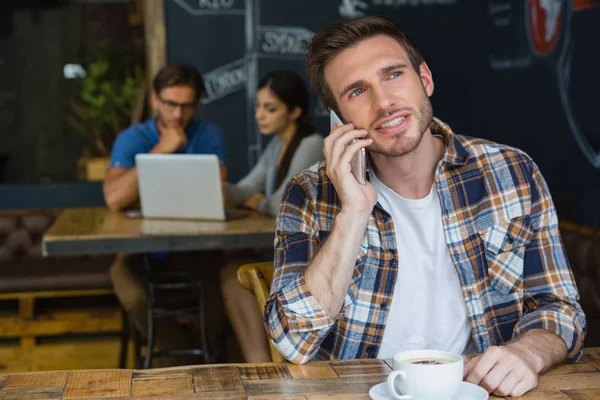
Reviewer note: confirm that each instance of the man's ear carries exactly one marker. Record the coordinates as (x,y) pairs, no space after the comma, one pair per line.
(154,101)
(426,78)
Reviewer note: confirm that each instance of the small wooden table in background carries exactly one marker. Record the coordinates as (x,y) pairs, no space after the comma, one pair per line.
(350,379)
(89,231)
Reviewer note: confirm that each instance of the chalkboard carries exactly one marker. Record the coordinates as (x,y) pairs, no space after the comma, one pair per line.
(520,72)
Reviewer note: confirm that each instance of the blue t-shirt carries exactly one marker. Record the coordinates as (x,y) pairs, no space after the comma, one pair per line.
(202,138)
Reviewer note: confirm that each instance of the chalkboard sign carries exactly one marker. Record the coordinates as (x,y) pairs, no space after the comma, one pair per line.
(520,72)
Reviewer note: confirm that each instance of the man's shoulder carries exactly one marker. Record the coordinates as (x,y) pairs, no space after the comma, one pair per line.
(205,128)
(313,176)
(133,131)
(489,155)
(312,184)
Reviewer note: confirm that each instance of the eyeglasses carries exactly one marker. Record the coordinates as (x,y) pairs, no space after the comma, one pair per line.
(172,106)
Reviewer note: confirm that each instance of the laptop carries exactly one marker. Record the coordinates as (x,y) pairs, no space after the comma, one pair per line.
(182,186)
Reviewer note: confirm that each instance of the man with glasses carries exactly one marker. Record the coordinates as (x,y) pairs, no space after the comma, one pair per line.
(177,89)
(176,97)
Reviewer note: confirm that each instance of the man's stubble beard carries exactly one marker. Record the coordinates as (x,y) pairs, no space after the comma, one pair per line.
(401,144)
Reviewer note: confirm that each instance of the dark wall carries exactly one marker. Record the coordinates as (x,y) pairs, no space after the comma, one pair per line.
(506,70)
(36,41)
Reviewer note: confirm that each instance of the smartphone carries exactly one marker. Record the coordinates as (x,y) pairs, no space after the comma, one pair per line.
(358,163)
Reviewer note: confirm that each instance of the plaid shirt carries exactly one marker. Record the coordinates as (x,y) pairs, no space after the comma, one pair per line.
(502,234)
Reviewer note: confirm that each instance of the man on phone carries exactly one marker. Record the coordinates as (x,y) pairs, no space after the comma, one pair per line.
(453,244)
(177,89)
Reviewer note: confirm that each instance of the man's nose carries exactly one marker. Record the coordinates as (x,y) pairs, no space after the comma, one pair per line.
(178,111)
(382,97)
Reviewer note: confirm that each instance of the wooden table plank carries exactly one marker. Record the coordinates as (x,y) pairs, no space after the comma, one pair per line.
(279,397)
(173,385)
(587,394)
(30,394)
(307,387)
(312,371)
(86,231)
(275,371)
(3,380)
(349,379)
(98,384)
(218,380)
(361,367)
(569,382)
(591,359)
(344,396)
(160,372)
(41,380)
(578,368)
(544,395)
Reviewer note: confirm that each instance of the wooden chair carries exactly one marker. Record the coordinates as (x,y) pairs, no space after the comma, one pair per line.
(257,278)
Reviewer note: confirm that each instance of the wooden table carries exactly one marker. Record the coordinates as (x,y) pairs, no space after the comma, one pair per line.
(87,231)
(316,380)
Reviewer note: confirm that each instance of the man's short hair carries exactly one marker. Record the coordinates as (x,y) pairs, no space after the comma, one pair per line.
(329,42)
(179,75)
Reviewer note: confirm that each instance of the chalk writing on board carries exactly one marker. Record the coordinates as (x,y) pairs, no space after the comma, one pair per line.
(544,36)
(358,8)
(212,7)
(224,80)
(284,41)
(413,3)
(352,8)
(506,52)
(584,132)
(507,62)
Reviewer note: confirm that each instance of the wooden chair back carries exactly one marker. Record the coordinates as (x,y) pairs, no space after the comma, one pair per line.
(257,278)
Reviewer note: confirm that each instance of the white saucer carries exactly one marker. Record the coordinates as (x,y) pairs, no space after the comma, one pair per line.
(467,391)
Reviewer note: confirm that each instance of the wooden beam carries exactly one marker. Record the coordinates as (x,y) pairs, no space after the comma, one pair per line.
(62,322)
(56,293)
(156,39)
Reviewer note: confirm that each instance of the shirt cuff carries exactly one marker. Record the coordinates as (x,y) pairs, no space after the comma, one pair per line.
(303,312)
(561,324)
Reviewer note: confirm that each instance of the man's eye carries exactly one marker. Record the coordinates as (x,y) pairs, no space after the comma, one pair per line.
(394,75)
(357,92)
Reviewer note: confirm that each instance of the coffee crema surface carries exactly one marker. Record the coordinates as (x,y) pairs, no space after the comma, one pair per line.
(429,361)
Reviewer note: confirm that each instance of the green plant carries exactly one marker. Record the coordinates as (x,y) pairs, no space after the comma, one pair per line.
(108,93)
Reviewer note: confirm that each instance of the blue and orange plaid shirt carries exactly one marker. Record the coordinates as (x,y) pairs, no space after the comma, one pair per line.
(502,233)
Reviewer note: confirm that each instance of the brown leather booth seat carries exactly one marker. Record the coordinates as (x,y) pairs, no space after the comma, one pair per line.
(50,303)
(583,251)
(22,267)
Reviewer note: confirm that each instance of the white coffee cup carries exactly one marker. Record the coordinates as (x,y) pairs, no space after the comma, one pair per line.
(411,381)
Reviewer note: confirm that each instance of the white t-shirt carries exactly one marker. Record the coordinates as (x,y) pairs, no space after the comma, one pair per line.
(427,310)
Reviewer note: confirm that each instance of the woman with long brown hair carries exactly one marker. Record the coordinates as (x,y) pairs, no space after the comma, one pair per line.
(282,102)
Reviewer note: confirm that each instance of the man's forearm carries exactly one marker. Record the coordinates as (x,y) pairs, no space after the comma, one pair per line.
(542,348)
(329,274)
(122,191)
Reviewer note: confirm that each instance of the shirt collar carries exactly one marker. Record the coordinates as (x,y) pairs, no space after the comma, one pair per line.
(455,154)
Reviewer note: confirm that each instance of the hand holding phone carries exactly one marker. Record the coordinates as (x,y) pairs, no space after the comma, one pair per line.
(358,163)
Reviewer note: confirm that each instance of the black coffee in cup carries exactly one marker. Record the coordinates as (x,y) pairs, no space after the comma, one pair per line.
(430,361)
